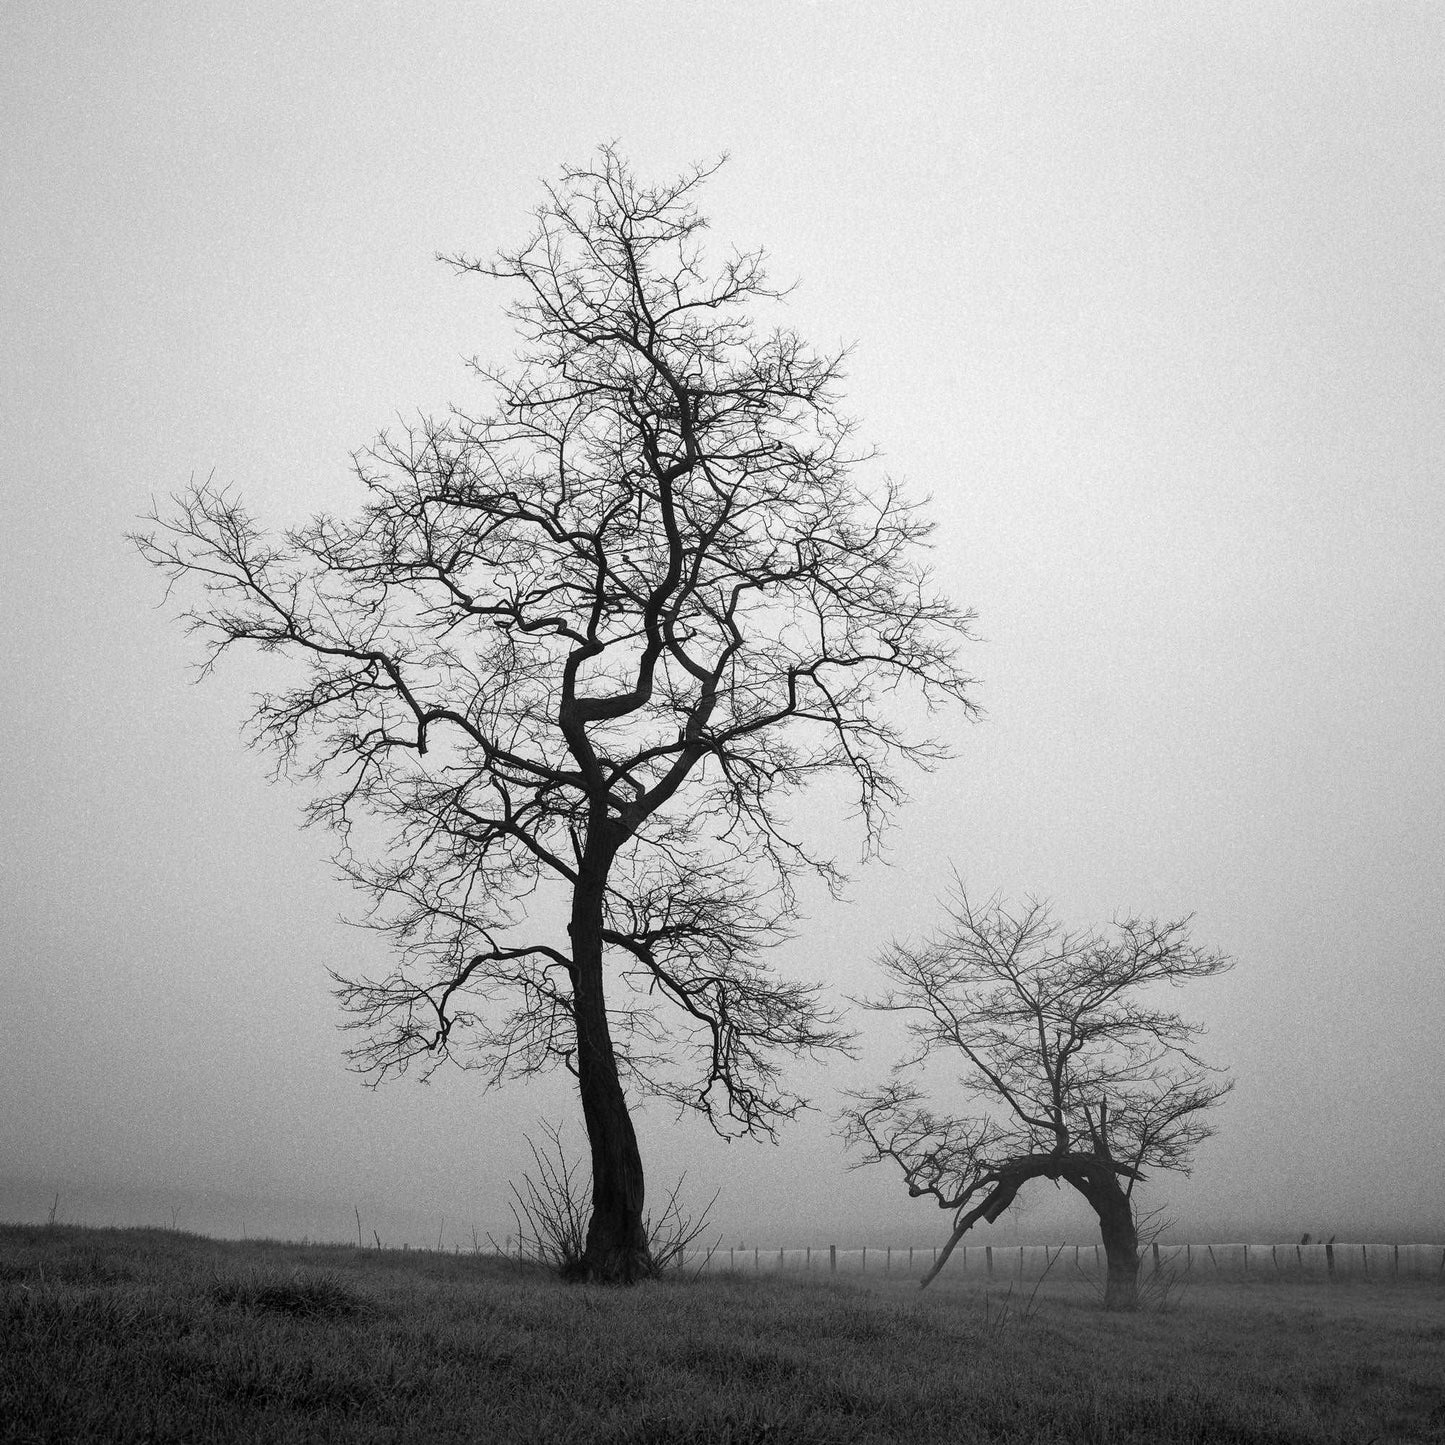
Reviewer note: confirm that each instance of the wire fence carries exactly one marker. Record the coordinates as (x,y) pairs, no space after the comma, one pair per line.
(1031,1261)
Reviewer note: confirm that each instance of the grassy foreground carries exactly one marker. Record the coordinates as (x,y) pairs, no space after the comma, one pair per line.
(150,1335)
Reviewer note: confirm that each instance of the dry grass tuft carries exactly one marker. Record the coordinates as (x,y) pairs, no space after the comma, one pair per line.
(299,1293)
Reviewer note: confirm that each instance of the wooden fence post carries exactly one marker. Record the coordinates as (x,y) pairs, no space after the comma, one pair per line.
(1330,1258)
(888,1260)
(865,1259)
(832,1259)
(988,1258)
(1156,1256)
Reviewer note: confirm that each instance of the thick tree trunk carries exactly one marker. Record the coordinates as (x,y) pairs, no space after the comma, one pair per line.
(616,1251)
(1121,1248)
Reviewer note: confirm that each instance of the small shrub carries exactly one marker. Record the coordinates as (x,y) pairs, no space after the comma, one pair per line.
(551,1212)
(674,1232)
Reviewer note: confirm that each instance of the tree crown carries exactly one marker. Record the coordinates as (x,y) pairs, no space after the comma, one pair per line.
(594,635)
(1073,1072)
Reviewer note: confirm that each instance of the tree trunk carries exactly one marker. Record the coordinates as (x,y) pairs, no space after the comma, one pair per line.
(1121,1247)
(616,1251)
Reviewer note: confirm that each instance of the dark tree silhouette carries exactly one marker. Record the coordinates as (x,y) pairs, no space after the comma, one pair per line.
(1078,1076)
(566,665)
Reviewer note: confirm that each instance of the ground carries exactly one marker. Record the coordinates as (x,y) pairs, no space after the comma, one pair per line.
(159,1336)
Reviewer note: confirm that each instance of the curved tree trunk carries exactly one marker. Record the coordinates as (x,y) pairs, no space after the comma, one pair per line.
(1121,1247)
(1095,1176)
(616,1251)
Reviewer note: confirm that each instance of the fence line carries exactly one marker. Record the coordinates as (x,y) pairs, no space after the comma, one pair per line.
(1331,1260)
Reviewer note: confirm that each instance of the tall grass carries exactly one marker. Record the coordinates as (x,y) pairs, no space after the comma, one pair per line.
(119,1335)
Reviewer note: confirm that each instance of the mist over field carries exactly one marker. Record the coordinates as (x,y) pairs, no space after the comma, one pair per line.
(1149,301)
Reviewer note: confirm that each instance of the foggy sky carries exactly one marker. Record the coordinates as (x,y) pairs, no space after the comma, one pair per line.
(1149,300)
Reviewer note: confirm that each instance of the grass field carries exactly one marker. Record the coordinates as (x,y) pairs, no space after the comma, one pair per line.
(150,1335)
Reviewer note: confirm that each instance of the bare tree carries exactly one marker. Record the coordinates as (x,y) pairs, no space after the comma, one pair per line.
(1077,1075)
(566,665)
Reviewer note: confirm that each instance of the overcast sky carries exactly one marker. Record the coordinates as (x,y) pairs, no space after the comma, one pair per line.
(1149,298)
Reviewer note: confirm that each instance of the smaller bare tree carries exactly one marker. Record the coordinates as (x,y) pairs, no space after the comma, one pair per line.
(1078,1078)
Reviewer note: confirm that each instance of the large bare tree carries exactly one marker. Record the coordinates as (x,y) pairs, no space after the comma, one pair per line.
(565,666)
(1076,1073)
